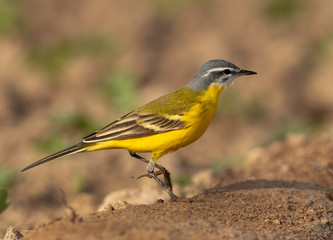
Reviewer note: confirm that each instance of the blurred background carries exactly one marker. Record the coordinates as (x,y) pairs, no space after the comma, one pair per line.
(68,68)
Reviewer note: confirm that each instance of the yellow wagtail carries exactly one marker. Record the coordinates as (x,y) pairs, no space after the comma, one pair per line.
(166,124)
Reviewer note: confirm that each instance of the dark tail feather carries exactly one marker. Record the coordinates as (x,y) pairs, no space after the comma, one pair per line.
(80,147)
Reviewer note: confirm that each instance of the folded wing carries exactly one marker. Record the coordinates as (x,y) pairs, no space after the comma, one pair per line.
(135,125)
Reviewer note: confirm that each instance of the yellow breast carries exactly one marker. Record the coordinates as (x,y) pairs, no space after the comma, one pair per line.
(200,116)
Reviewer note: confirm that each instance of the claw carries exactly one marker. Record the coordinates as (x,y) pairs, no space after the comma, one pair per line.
(144,175)
(157,173)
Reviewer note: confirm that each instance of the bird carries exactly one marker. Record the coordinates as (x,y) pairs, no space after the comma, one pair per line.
(165,124)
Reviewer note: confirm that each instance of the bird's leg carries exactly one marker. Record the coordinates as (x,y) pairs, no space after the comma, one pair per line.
(133,154)
(166,175)
(162,170)
(150,173)
(150,170)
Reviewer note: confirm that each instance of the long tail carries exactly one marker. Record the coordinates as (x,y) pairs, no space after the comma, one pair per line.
(80,147)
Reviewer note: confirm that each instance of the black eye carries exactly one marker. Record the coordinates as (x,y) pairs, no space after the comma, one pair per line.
(227,72)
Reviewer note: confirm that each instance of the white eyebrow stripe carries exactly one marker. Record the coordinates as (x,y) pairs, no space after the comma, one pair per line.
(218,69)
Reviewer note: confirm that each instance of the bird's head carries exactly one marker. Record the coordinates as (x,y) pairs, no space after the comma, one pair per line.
(217,72)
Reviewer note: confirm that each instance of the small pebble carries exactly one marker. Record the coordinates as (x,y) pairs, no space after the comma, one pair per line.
(324,221)
(276,222)
(160,201)
(13,234)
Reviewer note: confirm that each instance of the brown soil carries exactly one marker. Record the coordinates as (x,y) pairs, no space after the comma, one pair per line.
(293,199)
(269,210)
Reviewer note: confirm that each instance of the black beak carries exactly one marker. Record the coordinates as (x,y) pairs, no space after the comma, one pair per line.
(246,72)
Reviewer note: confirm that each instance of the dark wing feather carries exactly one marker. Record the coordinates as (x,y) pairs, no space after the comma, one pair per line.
(135,125)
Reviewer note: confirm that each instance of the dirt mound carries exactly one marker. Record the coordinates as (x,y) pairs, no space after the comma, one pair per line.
(292,199)
(294,210)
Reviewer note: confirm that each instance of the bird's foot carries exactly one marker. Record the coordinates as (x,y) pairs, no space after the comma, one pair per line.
(157,173)
(166,174)
(151,174)
(165,187)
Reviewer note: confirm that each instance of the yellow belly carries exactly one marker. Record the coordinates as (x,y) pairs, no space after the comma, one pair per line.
(197,121)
